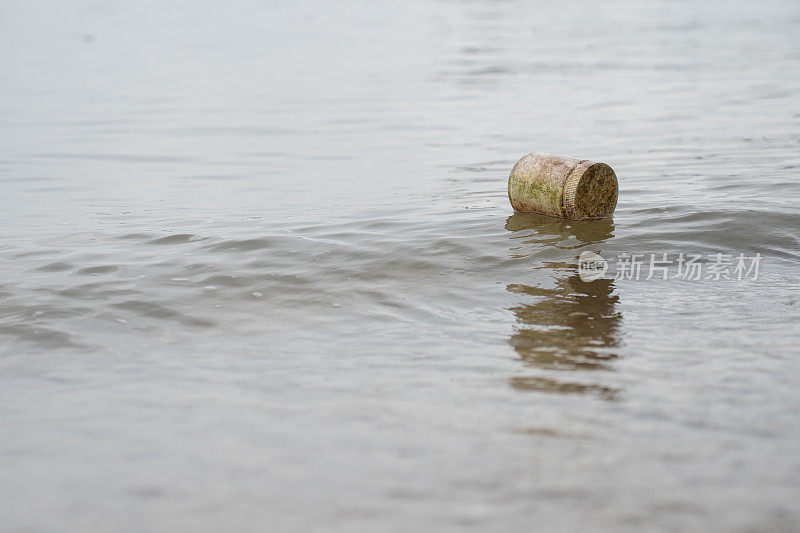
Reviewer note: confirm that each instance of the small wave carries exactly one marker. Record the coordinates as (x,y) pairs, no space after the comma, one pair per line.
(178,238)
(245,245)
(55,267)
(96,271)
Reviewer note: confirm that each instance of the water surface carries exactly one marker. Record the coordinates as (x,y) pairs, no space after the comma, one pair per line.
(258,269)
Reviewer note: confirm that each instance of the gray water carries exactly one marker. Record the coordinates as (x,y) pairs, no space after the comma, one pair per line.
(258,269)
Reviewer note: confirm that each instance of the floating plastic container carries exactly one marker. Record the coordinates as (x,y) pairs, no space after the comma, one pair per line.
(575,189)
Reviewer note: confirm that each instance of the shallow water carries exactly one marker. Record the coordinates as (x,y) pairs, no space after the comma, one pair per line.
(258,269)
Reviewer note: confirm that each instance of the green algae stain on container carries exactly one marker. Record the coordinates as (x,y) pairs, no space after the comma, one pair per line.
(576,189)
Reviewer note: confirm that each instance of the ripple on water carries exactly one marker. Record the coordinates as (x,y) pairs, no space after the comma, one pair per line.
(56,267)
(179,238)
(98,270)
(160,311)
(242,245)
(708,231)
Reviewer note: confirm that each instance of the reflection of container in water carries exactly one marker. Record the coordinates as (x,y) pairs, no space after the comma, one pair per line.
(576,189)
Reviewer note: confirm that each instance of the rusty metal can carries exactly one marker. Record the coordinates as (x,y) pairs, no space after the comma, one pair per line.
(576,189)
